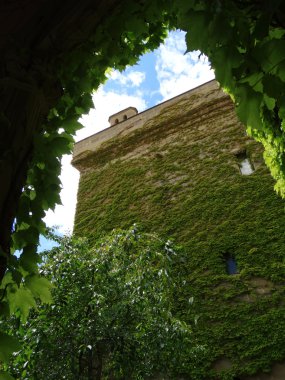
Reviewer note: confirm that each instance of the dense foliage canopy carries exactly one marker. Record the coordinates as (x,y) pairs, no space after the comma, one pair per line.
(111,312)
(47,85)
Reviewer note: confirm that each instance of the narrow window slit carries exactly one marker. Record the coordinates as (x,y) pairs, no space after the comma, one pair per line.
(231,264)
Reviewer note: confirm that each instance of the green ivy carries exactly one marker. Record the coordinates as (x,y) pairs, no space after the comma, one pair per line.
(186,185)
(245,45)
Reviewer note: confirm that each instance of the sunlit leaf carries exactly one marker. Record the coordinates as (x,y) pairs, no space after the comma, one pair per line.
(40,287)
(22,300)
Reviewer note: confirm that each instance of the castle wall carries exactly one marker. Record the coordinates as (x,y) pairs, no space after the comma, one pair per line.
(176,170)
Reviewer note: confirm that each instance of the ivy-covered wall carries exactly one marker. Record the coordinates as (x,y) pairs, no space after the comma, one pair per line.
(179,176)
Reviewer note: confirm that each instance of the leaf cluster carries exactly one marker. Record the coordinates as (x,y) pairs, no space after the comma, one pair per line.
(120,40)
(111,312)
(245,45)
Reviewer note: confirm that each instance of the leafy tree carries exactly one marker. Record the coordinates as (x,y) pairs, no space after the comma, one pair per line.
(111,312)
(59,54)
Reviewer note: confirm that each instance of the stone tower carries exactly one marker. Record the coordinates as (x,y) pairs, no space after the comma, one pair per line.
(187,170)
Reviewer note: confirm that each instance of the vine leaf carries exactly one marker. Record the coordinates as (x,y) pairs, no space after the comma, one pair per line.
(20,300)
(197,36)
(248,106)
(6,376)
(273,86)
(25,236)
(8,345)
(40,287)
(281,71)
(71,125)
(269,102)
(270,54)
(29,259)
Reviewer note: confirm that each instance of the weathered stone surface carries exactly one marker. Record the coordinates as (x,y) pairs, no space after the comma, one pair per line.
(222,364)
(174,170)
(261,285)
(277,373)
(194,99)
(122,115)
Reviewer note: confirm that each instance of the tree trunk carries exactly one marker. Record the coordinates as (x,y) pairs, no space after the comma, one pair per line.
(34,36)
(23,107)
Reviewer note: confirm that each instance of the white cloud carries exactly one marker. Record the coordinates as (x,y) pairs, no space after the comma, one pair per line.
(63,216)
(178,72)
(131,78)
(107,103)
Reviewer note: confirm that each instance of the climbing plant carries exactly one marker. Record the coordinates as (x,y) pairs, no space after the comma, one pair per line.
(245,44)
(183,180)
(118,41)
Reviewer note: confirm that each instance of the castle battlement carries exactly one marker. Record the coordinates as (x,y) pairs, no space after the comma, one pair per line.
(198,97)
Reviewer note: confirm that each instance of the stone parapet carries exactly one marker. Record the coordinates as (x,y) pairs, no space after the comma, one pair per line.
(198,96)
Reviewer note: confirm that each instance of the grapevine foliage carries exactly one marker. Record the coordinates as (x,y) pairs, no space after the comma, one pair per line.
(120,40)
(246,47)
(245,44)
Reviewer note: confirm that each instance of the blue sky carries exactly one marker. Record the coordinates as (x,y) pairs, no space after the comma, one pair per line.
(158,76)
(148,85)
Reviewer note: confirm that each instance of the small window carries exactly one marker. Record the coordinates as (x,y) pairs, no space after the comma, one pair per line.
(245,166)
(125,117)
(117,121)
(231,264)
